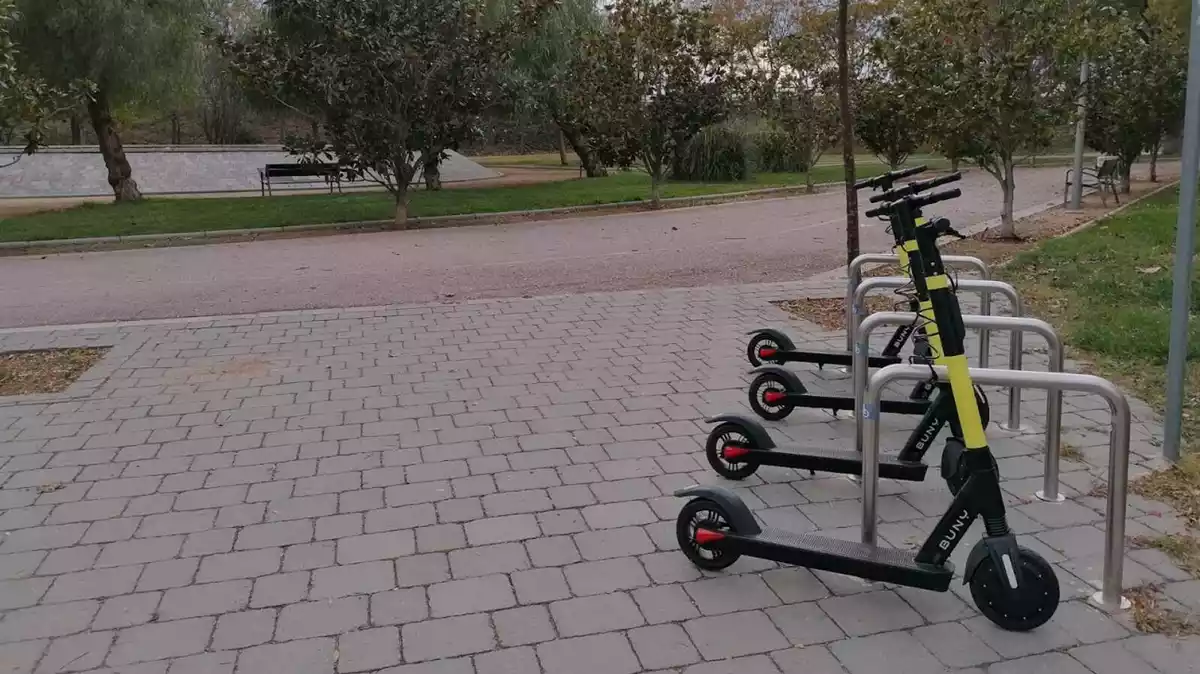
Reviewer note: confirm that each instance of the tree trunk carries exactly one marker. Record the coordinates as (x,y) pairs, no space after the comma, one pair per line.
(400,219)
(1008,185)
(431,161)
(847,129)
(1154,150)
(1126,170)
(176,132)
(120,174)
(562,148)
(76,129)
(808,182)
(656,181)
(587,159)
(954,164)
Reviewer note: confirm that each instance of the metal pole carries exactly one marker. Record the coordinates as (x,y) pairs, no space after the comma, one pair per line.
(1185,236)
(1053,430)
(1016,354)
(1080,127)
(968,285)
(1109,595)
(854,278)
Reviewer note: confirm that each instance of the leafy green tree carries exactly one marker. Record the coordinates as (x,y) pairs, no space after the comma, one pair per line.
(389,78)
(660,73)
(887,123)
(135,52)
(545,75)
(27,102)
(802,95)
(1007,69)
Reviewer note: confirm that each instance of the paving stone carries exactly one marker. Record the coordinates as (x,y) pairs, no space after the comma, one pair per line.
(896,652)
(622,514)
(427,569)
(1110,658)
(663,646)
(539,585)
(369,547)
(321,618)
(310,656)
(440,538)
(274,534)
(158,641)
(205,663)
(502,529)
(124,553)
(736,634)
(1048,637)
(954,645)
(23,564)
(809,660)
(507,661)
(1087,624)
(127,610)
(870,612)
(471,595)
(552,551)
(665,603)
(75,653)
(598,654)
(447,637)
(93,584)
(350,579)
(206,599)
(804,624)
(610,543)
(22,593)
(1048,663)
(729,594)
(279,589)
(368,650)
(248,628)
(21,657)
(522,626)
(481,561)
(607,575)
(246,564)
(1170,656)
(399,606)
(589,615)
(167,574)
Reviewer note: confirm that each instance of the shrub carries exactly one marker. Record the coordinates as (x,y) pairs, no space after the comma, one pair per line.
(716,154)
(780,151)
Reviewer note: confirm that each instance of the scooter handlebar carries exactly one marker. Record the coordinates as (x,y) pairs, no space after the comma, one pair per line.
(889,178)
(916,187)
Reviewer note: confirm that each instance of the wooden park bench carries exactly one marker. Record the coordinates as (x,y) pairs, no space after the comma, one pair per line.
(330,174)
(1103,178)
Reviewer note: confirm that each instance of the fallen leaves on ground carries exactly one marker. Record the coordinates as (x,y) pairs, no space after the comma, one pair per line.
(44,371)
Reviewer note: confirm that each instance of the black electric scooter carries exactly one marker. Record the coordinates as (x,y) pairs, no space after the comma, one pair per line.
(1012,586)
(739,445)
(768,345)
(776,391)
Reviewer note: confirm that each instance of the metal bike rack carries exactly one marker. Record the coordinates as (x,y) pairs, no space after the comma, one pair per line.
(1109,595)
(854,277)
(1016,344)
(1049,491)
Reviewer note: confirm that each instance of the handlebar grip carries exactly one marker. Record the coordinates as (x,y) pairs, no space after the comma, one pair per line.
(876,212)
(920,202)
(889,178)
(904,173)
(916,187)
(944,180)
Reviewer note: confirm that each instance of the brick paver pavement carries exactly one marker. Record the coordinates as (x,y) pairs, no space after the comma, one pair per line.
(486,487)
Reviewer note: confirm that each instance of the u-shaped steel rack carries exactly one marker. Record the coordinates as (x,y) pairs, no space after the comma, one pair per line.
(1109,595)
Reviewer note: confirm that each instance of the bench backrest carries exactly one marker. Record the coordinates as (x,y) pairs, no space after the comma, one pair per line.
(1108,167)
(285,170)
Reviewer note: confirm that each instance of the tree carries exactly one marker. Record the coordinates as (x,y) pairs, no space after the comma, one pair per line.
(223,104)
(887,123)
(847,115)
(1006,68)
(27,101)
(134,51)
(801,96)
(1167,74)
(1120,119)
(389,78)
(663,71)
(546,75)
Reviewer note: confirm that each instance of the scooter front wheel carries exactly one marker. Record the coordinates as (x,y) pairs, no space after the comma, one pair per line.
(761,348)
(699,528)
(1030,606)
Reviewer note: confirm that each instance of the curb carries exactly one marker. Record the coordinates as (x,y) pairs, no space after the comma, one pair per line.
(15,248)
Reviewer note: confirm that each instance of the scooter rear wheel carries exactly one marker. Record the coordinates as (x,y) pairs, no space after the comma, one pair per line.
(1031,607)
(769,384)
(701,513)
(727,436)
(757,344)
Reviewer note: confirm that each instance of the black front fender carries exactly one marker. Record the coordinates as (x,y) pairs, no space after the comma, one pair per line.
(996,547)
(776,336)
(740,517)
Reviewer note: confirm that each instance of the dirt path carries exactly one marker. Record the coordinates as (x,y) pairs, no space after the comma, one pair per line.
(760,241)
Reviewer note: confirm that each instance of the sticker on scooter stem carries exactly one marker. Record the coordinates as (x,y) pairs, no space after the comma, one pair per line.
(870,412)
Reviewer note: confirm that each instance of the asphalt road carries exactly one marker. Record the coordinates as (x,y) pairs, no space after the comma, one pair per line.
(750,242)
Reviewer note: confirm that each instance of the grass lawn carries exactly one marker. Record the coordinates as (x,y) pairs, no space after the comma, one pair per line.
(167,215)
(1108,291)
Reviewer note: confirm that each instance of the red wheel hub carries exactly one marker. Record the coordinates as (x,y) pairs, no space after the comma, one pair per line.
(707,536)
(774,397)
(734,451)
(767,352)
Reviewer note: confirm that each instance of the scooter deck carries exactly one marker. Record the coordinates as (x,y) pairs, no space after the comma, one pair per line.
(845,462)
(826,358)
(846,404)
(851,558)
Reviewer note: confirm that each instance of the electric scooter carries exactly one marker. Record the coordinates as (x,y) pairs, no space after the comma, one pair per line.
(739,445)
(1012,586)
(776,391)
